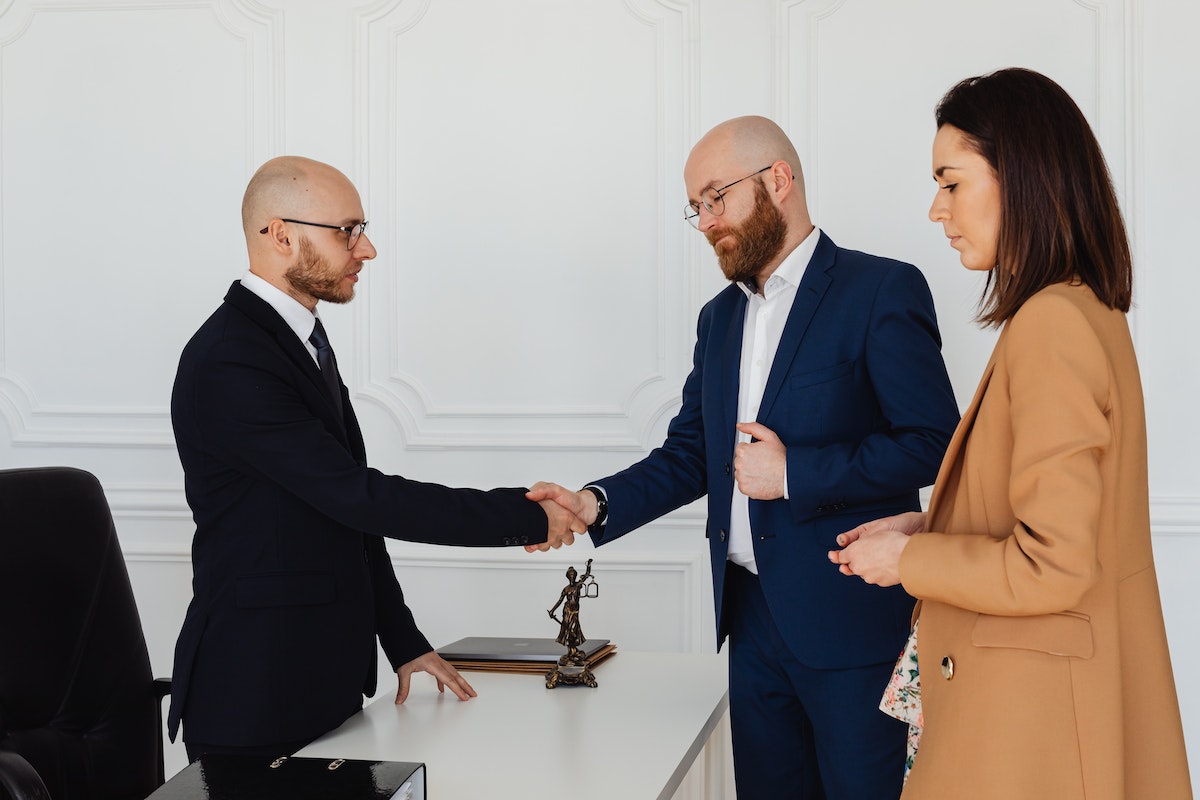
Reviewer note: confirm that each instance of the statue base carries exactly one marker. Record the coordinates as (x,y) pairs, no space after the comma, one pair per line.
(572,670)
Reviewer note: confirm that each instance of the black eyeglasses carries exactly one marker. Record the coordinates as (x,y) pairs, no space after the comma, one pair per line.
(352,231)
(713,200)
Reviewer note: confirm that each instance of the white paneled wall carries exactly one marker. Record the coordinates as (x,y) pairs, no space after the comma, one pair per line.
(531,312)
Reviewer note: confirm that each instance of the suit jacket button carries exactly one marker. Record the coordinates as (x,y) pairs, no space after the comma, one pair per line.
(948,668)
(722,534)
(726,467)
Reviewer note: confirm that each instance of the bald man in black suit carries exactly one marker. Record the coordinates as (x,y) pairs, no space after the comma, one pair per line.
(291,580)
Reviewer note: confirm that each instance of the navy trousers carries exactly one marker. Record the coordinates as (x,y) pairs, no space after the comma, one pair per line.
(799,732)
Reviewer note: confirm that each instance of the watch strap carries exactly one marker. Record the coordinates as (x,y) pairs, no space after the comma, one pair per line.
(601,509)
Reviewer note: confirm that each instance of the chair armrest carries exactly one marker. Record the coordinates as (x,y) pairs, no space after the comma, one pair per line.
(162,688)
(19,779)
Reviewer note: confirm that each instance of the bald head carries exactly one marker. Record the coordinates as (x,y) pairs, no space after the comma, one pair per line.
(290,187)
(746,195)
(751,143)
(305,230)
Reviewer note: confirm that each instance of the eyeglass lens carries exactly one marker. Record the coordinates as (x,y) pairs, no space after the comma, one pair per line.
(713,202)
(354,234)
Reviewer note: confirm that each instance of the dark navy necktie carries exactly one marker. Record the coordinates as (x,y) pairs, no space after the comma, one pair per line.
(328,364)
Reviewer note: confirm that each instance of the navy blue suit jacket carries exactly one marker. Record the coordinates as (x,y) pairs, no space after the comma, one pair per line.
(859,394)
(291,580)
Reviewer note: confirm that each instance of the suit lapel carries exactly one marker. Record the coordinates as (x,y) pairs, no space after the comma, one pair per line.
(812,288)
(950,472)
(731,362)
(268,319)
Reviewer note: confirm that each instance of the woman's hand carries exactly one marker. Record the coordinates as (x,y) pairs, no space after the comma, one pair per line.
(872,550)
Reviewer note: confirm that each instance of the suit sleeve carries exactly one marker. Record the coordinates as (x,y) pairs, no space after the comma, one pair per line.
(672,475)
(401,639)
(251,418)
(918,413)
(1059,394)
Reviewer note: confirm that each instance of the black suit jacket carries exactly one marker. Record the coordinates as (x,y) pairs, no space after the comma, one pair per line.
(291,580)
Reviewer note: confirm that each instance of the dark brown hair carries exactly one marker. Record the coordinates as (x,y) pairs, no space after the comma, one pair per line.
(1059,217)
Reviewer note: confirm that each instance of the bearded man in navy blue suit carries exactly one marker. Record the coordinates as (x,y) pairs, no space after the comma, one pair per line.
(818,399)
(292,583)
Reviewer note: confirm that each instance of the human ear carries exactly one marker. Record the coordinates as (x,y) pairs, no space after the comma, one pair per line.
(277,236)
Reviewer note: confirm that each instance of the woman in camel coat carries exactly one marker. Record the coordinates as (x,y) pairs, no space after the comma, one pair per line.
(1043,662)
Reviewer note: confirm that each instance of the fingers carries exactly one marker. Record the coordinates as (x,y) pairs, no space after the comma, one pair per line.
(442,671)
(458,684)
(841,558)
(875,558)
(851,536)
(759,467)
(563,524)
(543,491)
(405,676)
(882,524)
(552,491)
(758,431)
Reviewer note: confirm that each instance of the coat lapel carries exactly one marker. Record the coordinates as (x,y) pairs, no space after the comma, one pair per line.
(812,288)
(266,317)
(950,472)
(731,362)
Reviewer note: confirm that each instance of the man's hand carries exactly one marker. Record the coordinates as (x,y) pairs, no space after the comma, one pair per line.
(759,466)
(569,512)
(872,550)
(440,669)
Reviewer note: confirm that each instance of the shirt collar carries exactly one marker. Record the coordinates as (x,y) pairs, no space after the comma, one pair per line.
(791,269)
(298,318)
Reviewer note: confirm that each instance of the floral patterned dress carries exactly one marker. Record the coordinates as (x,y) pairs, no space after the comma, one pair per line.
(902,697)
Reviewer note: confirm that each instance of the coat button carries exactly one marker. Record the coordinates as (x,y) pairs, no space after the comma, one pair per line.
(722,535)
(726,467)
(948,668)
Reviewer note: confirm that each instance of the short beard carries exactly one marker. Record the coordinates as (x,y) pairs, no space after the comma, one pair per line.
(758,240)
(311,275)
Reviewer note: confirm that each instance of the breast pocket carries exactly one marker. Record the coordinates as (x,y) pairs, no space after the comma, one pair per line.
(823,405)
(824,375)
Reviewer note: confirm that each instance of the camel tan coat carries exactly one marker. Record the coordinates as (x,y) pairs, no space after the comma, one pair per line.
(1043,656)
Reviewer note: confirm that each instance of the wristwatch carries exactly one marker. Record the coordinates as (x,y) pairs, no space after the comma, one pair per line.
(601,510)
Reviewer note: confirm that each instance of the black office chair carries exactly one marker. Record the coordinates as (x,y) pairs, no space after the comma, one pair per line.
(80,711)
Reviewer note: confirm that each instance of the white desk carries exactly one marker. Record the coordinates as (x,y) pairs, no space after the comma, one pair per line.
(634,736)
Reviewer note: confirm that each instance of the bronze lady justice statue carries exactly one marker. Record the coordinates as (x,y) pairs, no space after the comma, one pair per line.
(572,668)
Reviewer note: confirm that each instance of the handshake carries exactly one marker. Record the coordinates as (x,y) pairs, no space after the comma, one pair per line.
(759,469)
(569,513)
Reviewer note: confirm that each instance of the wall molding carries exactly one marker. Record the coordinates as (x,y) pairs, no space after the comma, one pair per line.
(1169,516)
(689,568)
(623,425)
(258,29)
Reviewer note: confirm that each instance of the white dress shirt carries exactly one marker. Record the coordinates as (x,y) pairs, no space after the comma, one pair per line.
(766,314)
(298,318)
